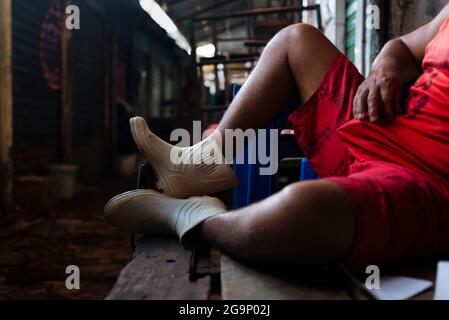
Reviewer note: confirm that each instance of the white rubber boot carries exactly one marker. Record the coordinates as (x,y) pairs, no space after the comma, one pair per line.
(152,213)
(205,173)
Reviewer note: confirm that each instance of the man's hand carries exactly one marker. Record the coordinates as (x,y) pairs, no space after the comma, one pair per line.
(378,97)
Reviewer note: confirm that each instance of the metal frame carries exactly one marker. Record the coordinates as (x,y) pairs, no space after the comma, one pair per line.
(252,43)
(258,12)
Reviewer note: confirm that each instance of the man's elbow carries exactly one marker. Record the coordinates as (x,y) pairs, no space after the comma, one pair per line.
(414,56)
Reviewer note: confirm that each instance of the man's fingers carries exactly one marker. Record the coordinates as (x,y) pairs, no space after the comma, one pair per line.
(388,101)
(398,103)
(374,104)
(356,102)
(377,98)
(360,106)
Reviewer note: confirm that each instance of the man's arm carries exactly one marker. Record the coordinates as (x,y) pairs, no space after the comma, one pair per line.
(379,96)
(418,40)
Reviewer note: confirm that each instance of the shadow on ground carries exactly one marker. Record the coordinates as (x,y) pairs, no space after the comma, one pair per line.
(36,249)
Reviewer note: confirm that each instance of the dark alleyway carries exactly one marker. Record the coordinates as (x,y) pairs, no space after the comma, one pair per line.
(36,250)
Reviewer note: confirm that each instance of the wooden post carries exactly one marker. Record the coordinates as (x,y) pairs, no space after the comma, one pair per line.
(202,99)
(217,80)
(6,103)
(109,92)
(66,94)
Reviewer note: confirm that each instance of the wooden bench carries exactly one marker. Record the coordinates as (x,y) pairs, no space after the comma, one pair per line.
(161,269)
(242,281)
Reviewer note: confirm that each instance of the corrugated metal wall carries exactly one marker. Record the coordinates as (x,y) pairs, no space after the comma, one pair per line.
(406,16)
(36,104)
(37,29)
(88,66)
(351,19)
(37,84)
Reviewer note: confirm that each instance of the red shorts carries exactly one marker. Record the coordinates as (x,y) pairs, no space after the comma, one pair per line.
(398,213)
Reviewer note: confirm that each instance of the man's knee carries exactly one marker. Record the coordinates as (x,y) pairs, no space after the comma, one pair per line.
(323,207)
(315,217)
(311,194)
(299,32)
(309,53)
(304,205)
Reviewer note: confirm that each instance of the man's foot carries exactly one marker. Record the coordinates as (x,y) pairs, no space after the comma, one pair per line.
(201,176)
(152,213)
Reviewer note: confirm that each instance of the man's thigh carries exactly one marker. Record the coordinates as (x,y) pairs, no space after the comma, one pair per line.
(317,120)
(398,214)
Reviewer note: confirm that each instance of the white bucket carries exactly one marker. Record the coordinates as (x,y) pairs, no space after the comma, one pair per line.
(64,176)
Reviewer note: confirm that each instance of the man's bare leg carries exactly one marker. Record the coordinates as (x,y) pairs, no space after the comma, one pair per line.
(308,222)
(295,60)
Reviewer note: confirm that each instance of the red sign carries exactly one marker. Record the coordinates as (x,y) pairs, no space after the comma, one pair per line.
(50,44)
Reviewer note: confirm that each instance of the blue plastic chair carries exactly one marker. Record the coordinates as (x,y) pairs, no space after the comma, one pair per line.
(253,186)
(307,172)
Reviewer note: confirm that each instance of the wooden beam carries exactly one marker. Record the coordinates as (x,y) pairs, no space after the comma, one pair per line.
(66,96)
(242,39)
(255,43)
(206,9)
(225,60)
(6,104)
(257,12)
(240,281)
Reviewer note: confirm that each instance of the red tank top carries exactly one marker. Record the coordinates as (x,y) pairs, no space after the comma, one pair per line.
(418,140)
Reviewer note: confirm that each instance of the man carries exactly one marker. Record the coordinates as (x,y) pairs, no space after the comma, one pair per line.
(384,195)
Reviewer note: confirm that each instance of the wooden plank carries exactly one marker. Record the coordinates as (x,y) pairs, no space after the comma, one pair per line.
(6,104)
(159,271)
(66,95)
(241,281)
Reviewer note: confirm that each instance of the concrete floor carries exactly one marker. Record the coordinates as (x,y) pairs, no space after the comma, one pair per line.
(36,249)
